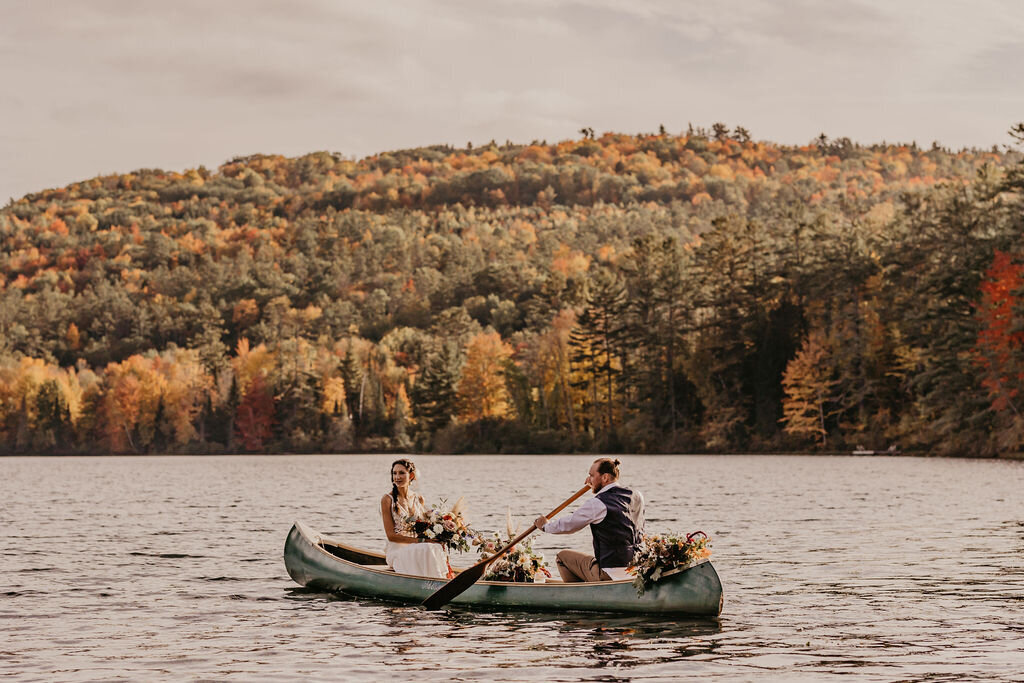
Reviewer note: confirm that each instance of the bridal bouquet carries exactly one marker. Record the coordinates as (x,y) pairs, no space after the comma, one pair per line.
(661,553)
(442,524)
(520,564)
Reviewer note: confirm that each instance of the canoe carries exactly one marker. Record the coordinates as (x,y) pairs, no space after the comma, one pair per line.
(322,563)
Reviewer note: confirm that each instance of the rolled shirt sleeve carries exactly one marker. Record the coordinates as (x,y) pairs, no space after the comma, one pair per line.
(591,512)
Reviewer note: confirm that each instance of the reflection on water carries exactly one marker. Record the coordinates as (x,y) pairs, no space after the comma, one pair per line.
(555,641)
(167,568)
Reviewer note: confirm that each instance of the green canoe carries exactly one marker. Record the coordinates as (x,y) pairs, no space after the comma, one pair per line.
(319,562)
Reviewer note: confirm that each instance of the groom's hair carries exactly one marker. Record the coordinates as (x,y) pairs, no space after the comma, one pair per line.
(608,466)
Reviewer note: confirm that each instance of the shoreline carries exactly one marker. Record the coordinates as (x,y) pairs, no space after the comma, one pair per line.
(1005,456)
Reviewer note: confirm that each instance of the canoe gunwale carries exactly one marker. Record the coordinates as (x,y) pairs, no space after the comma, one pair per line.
(318,542)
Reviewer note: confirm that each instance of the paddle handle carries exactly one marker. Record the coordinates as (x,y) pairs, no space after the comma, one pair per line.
(567,503)
(533,527)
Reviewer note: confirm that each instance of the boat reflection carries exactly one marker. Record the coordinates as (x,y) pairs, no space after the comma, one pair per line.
(605,626)
(555,640)
(592,640)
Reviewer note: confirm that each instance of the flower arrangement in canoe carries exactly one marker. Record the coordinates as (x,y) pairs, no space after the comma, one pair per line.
(661,553)
(521,564)
(441,524)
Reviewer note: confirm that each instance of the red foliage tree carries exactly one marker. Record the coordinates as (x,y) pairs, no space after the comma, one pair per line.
(1001,340)
(254,418)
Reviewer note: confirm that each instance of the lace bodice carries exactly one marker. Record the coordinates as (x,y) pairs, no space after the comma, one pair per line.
(411,505)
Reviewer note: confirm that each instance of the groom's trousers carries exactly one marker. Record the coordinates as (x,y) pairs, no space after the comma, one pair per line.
(575,567)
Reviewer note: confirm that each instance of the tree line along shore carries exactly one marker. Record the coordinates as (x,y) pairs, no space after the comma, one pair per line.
(700,292)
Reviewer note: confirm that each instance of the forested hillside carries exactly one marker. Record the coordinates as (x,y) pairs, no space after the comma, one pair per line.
(649,293)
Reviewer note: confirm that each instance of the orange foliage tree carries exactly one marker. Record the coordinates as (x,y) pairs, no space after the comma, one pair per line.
(128,409)
(481,392)
(808,383)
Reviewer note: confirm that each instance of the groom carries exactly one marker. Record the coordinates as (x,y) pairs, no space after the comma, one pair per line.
(616,518)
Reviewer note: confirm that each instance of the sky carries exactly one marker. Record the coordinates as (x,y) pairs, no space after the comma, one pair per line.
(94,87)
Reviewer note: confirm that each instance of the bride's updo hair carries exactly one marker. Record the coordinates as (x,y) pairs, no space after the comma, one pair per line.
(407,464)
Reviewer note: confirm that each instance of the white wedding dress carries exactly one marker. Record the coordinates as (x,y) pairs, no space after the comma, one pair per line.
(417,559)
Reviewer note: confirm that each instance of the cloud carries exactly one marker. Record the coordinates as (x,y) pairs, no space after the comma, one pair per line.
(114,85)
(993,69)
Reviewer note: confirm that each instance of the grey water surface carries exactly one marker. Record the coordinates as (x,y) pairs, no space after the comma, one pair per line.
(170,568)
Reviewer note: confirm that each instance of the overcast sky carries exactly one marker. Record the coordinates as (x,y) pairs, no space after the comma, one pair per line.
(97,87)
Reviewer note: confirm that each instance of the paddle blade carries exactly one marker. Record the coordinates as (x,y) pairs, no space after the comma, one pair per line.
(455,587)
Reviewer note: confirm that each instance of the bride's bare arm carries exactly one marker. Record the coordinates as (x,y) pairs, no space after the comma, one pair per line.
(389,523)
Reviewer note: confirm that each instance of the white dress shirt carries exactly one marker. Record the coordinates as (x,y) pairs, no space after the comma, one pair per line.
(591,512)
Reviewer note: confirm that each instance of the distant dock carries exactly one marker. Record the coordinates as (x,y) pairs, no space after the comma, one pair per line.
(860,450)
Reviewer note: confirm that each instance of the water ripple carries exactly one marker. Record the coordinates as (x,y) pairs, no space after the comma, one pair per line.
(169,568)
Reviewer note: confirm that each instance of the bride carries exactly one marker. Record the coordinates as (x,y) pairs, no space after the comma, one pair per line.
(404,553)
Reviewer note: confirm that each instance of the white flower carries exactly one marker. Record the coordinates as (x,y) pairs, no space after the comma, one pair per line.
(437,528)
(429,533)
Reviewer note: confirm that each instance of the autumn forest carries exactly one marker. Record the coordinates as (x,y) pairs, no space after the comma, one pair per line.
(693,292)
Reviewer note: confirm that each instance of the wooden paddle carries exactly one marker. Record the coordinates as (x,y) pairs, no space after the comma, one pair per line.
(467,577)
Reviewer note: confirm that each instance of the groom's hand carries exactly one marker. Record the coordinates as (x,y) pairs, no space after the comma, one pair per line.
(540,522)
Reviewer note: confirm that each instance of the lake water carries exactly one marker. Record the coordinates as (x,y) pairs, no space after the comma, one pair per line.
(170,568)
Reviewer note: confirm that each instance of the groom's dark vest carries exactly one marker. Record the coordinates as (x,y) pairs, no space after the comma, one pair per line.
(617,535)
